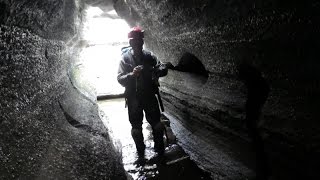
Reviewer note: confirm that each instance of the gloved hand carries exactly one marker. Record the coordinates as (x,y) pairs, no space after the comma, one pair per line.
(137,70)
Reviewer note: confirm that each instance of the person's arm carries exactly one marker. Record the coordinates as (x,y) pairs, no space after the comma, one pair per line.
(125,74)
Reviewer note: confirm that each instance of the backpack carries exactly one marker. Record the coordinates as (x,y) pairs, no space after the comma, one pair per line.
(125,49)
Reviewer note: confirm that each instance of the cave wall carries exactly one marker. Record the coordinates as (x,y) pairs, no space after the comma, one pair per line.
(279,39)
(49,129)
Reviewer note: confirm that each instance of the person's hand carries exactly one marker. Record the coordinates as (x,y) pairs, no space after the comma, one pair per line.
(137,70)
(169,65)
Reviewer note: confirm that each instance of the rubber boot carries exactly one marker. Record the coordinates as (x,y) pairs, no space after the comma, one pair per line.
(138,140)
(158,131)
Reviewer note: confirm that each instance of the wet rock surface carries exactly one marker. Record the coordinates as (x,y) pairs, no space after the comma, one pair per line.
(175,164)
(46,134)
(40,104)
(279,39)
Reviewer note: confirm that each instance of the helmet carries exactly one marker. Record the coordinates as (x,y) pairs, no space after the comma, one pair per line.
(136,33)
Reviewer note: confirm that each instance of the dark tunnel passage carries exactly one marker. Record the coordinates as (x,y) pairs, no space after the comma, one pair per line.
(241,95)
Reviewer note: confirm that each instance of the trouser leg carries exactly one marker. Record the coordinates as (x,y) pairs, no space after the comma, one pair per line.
(138,140)
(158,131)
(153,117)
(135,117)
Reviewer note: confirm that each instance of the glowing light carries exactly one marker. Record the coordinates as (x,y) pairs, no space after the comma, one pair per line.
(105,34)
(93,11)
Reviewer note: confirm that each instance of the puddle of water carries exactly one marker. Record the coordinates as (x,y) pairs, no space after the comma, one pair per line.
(176,165)
(118,123)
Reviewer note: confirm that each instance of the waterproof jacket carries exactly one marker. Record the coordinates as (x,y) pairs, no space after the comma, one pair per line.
(146,84)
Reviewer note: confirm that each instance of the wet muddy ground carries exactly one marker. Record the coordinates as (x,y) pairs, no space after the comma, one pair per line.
(175,164)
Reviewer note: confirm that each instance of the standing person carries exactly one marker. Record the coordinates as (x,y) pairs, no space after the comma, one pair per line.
(258,91)
(138,72)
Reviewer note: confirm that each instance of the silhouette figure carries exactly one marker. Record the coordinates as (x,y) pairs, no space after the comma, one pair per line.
(258,90)
(139,72)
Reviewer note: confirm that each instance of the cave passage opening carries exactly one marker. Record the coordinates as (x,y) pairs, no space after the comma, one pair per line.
(104,34)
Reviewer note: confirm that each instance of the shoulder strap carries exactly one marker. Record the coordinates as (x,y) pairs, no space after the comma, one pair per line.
(125,49)
(126,55)
(150,58)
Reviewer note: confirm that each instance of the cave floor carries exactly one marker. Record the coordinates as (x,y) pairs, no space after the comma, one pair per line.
(176,164)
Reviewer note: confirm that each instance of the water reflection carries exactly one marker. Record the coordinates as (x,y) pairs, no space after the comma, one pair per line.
(116,119)
(177,164)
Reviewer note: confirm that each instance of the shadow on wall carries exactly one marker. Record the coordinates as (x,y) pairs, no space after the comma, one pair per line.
(258,91)
(190,63)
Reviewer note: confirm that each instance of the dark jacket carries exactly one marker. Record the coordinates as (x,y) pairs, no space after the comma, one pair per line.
(147,83)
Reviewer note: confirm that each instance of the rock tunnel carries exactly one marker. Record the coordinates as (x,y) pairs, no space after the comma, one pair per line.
(50,126)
